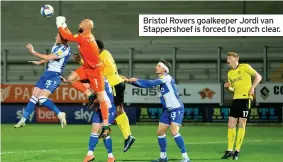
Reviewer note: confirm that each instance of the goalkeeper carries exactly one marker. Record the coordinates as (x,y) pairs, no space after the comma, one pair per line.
(118,86)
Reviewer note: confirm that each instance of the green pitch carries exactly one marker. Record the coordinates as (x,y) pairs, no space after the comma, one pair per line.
(51,143)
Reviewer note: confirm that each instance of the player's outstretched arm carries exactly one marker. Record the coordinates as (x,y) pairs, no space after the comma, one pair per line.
(145,83)
(42,62)
(38,62)
(141,85)
(65,32)
(154,83)
(41,56)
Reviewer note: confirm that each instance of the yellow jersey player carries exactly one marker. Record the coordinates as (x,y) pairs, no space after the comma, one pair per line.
(118,86)
(239,81)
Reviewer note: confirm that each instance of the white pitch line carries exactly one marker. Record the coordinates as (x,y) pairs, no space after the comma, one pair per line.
(41,151)
(221,142)
(85,148)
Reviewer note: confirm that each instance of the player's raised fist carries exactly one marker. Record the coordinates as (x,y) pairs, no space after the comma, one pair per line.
(60,21)
(30,48)
(60,18)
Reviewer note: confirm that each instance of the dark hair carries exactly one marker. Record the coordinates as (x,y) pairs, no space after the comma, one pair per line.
(63,41)
(166,63)
(100,44)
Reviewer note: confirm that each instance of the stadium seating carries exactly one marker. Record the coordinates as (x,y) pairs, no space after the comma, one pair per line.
(193,63)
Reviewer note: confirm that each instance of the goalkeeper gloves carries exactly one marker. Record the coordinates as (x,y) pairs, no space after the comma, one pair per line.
(60,22)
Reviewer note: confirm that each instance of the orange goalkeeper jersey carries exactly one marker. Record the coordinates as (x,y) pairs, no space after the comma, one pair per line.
(86,45)
(110,68)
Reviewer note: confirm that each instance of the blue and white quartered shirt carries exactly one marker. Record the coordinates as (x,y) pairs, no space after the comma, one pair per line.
(63,52)
(168,95)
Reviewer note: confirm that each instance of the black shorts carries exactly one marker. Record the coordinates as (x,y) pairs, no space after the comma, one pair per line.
(240,108)
(118,93)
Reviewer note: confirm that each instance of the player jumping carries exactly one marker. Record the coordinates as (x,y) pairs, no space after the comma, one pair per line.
(92,69)
(118,86)
(50,79)
(173,109)
(239,81)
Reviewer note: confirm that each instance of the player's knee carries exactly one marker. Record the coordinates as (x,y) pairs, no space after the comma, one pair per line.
(160,132)
(101,97)
(42,99)
(100,100)
(119,110)
(86,85)
(94,130)
(242,123)
(232,123)
(174,132)
(36,92)
(36,95)
(72,78)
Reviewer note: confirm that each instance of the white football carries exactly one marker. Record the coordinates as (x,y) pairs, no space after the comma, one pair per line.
(47,10)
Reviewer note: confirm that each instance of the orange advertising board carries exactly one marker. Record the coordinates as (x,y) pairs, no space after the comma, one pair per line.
(21,93)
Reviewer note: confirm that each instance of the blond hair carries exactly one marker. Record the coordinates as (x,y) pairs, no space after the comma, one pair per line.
(233,54)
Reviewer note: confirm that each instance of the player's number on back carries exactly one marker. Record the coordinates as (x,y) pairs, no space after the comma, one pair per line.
(245,114)
(173,115)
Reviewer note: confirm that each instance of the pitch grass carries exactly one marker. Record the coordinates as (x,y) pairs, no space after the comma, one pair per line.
(50,143)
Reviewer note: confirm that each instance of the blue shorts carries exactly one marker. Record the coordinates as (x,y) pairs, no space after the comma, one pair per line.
(97,117)
(50,80)
(174,116)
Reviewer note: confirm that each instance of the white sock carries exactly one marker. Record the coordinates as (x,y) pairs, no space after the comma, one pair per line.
(60,115)
(185,155)
(163,155)
(23,120)
(90,153)
(110,155)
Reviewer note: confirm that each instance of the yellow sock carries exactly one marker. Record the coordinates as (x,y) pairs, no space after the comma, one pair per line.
(123,123)
(240,138)
(231,138)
